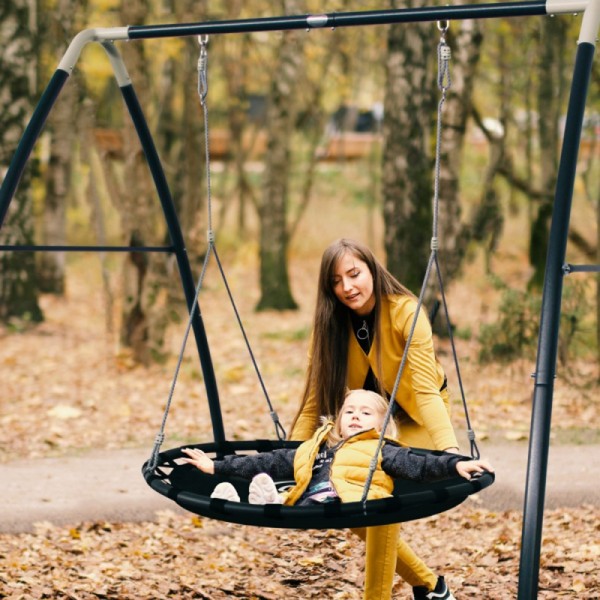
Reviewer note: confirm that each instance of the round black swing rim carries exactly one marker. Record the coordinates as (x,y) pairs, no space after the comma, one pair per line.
(191,490)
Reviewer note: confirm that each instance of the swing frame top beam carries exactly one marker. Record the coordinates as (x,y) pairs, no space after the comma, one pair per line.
(336,20)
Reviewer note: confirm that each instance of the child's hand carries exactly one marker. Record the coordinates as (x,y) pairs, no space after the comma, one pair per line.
(199,460)
(467,468)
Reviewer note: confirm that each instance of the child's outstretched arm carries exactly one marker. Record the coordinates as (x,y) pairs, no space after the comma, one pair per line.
(468,468)
(278,463)
(199,460)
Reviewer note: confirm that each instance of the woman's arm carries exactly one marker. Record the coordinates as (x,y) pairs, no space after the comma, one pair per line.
(306,422)
(423,378)
(307,419)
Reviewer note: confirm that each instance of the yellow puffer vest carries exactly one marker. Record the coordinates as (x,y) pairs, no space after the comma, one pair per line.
(349,469)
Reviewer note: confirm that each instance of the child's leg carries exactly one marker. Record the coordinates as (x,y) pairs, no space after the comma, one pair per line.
(263,491)
(385,552)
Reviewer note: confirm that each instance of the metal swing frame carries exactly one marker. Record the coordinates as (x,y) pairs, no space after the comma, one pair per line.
(556,268)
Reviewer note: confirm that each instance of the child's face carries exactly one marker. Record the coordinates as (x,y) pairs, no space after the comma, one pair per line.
(359,413)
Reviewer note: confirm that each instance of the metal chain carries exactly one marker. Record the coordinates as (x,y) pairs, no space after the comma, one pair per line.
(160,436)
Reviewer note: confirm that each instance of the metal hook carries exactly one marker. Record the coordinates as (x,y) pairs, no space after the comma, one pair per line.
(443,25)
(203,41)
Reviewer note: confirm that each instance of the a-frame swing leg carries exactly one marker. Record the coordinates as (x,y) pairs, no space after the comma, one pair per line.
(28,140)
(539,439)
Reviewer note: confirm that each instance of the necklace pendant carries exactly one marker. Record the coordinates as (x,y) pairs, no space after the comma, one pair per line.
(363,332)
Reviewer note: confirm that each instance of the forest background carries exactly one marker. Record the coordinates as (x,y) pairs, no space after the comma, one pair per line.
(313,135)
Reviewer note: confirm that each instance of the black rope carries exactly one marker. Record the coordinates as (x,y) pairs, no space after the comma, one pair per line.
(279,430)
(470,432)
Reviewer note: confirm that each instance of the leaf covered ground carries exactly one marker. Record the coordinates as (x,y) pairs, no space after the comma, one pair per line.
(189,557)
(68,386)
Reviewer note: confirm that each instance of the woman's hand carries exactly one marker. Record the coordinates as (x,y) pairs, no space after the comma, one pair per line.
(199,460)
(467,468)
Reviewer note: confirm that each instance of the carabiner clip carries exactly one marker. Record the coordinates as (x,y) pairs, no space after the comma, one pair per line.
(202,63)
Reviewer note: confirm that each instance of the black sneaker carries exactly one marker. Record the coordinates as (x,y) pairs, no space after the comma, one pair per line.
(441,592)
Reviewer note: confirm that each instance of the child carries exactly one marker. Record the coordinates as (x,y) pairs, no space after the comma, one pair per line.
(327,467)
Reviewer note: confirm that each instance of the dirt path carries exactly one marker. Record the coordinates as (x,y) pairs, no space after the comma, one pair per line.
(108,485)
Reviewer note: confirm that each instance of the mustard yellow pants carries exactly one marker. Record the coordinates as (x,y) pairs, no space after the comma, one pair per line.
(386,554)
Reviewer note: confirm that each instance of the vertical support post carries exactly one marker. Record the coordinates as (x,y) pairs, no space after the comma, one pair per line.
(28,140)
(539,439)
(185,271)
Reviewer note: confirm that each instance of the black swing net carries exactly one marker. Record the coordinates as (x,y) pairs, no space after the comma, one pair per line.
(191,488)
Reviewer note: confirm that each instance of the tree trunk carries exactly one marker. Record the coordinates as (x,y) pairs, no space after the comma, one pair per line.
(454,236)
(408,158)
(235,65)
(58,25)
(144,285)
(180,135)
(407,172)
(18,60)
(274,281)
(550,103)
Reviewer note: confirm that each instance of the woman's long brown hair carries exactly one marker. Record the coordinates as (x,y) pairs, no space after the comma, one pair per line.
(328,366)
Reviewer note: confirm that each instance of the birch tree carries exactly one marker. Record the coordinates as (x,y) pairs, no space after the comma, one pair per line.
(18,60)
(411,99)
(282,111)
(58,29)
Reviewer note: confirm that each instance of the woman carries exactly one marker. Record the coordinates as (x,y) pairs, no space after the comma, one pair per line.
(363,317)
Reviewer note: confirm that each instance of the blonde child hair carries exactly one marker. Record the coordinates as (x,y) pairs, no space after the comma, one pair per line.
(381,406)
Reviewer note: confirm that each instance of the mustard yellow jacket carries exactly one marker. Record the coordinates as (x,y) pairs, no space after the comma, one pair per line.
(425,415)
(349,468)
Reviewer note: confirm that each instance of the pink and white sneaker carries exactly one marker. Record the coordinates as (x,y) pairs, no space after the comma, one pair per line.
(263,491)
(225,491)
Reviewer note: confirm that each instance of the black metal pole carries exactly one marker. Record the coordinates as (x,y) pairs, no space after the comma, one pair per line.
(539,440)
(341,19)
(28,140)
(185,271)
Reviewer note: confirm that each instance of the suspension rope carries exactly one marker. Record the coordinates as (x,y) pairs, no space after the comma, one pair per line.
(444,83)
(202,94)
(279,430)
(160,436)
